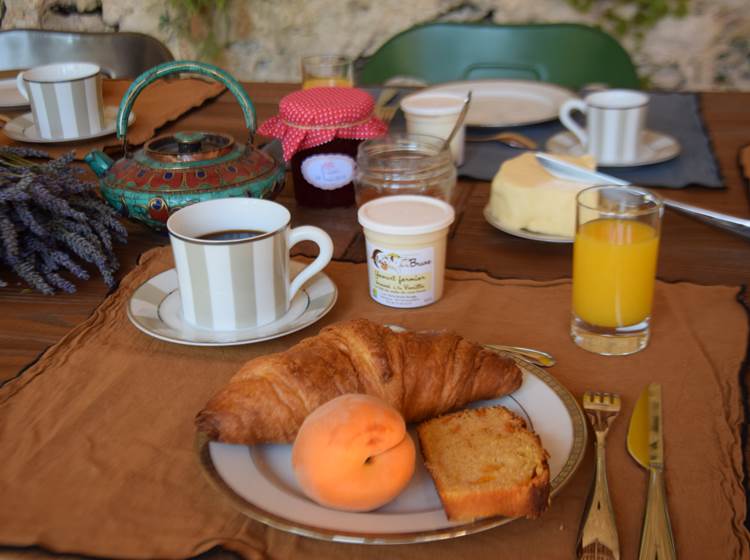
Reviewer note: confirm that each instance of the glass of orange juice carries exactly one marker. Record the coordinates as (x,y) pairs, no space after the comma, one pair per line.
(614,268)
(327,70)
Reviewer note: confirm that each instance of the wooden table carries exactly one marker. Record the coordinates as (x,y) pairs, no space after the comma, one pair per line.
(690,251)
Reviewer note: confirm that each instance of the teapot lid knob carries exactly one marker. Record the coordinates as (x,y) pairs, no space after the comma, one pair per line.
(189,142)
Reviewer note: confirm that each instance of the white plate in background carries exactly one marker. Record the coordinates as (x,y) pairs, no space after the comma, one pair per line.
(497,103)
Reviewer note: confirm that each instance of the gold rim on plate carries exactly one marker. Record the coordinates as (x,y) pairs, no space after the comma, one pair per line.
(575,456)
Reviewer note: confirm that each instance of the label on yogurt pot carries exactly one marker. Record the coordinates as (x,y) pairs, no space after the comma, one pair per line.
(401,277)
(328,171)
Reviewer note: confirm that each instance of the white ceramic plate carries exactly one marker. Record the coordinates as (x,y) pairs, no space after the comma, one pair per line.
(509,102)
(10,97)
(655,147)
(23,128)
(155,308)
(526,234)
(260,483)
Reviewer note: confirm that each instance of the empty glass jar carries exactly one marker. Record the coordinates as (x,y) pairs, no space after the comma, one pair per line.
(404,164)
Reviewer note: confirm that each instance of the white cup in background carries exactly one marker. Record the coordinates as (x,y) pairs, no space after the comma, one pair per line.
(615,119)
(232,261)
(435,114)
(66,99)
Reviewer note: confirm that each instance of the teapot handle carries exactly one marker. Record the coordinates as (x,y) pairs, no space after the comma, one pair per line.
(174,67)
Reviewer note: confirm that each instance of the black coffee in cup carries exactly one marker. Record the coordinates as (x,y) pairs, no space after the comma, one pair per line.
(231,234)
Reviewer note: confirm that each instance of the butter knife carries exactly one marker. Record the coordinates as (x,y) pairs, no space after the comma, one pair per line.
(646,446)
(573,172)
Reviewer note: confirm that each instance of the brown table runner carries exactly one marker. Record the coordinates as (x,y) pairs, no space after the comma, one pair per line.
(158,104)
(96,438)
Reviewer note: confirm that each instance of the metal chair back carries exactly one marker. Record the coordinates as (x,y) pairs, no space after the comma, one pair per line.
(120,55)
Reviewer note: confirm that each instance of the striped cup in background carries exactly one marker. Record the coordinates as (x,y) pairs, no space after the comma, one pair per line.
(66,99)
(232,261)
(614,122)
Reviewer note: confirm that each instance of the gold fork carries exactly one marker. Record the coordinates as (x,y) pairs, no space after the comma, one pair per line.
(597,537)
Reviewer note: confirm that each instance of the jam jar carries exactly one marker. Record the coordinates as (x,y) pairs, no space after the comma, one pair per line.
(320,130)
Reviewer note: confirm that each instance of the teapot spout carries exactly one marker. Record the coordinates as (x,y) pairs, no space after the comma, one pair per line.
(99,162)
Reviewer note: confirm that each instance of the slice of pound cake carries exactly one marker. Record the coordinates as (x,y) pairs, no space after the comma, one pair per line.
(485,462)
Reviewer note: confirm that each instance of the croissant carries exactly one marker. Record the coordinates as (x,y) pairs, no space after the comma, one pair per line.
(420,374)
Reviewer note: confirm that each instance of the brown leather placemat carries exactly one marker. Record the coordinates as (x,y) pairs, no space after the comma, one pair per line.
(96,438)
(158,104)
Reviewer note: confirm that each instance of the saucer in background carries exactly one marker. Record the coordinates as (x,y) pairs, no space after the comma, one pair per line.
(656,147)
(24,129)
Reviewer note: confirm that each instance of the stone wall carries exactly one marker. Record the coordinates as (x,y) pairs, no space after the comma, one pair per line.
(263,40)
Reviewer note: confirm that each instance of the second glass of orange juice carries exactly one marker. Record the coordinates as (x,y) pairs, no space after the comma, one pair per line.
(327,70)
(614,268)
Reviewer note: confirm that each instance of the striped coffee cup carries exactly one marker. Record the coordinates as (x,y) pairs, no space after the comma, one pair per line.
(614,122)
(66,99)
(232,261)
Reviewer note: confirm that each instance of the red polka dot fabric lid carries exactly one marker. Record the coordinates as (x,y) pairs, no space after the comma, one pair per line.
(314,116)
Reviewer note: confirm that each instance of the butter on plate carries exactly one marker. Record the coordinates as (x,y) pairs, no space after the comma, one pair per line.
(525,196)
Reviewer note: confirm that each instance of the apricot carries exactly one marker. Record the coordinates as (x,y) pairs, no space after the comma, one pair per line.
(353,453)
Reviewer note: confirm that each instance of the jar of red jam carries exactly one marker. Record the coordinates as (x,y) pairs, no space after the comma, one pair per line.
(320,130)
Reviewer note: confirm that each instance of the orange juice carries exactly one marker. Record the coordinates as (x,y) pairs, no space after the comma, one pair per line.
(333,81)
(614,266)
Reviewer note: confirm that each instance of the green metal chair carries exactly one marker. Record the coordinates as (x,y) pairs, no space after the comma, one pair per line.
(571,55)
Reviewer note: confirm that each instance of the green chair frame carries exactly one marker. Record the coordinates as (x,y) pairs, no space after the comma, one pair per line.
(568,54)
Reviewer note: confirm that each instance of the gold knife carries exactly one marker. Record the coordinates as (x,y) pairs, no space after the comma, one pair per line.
(646,445)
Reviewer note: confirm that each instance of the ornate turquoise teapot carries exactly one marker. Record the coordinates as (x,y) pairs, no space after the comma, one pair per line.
(175,170)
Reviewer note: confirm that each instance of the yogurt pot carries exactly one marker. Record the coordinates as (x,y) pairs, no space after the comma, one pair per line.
(435,114)
(406,237)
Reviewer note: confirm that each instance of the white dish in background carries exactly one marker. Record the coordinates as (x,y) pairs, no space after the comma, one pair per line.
(10,97)
(656,147)
(24,129)
(259,481)
(155,308)
(526,234)
(508,102)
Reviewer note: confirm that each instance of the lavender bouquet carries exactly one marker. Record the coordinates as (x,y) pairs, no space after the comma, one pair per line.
(52,223)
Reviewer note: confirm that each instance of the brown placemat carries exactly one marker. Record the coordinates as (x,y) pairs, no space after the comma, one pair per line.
(744,160)
(161,102)
(97,437)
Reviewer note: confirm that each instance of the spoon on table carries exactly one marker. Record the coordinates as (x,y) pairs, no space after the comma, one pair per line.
(536,357)
(510,139)
(459,120)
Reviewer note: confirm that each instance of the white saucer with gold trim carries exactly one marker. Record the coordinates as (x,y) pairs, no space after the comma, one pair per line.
(23,128)
(155,309)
